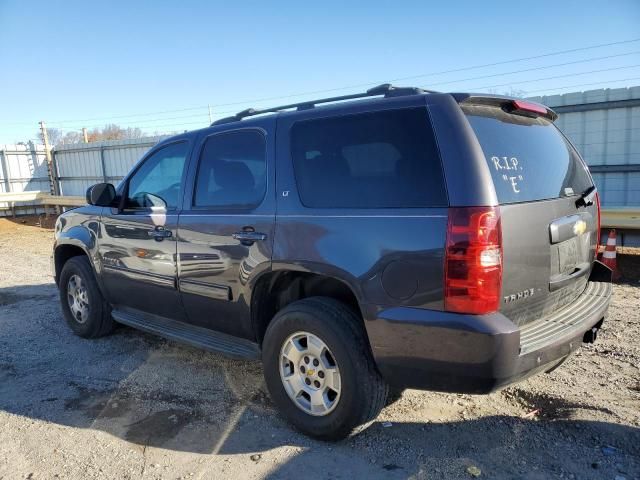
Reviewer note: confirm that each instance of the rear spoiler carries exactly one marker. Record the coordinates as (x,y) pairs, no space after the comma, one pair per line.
(508,104)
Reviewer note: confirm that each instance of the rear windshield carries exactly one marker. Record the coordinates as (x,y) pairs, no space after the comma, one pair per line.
(529,158)
(370,160)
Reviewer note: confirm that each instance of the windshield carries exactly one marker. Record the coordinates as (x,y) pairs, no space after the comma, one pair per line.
(529,158)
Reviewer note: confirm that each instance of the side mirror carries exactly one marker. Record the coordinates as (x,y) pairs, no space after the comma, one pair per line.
(101,195)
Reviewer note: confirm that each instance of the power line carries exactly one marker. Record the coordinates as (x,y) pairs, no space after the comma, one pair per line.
(573,50)
(584,85)
(205,123)
(437,83)
(130,116)
(162,119)
(455,70)
(453,81)
(258,100)
(205,115)
(555,76)
(536,68)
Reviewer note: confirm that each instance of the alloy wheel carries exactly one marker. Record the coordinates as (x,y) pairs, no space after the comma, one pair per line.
(78,298)
(310,374)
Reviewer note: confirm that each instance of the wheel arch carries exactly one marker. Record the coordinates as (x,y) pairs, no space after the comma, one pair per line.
(64,251)
(275,289)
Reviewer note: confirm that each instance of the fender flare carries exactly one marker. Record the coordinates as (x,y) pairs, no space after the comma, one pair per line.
(83,238)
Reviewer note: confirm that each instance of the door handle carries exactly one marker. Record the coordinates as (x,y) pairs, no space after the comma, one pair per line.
(159,233)
(248,237)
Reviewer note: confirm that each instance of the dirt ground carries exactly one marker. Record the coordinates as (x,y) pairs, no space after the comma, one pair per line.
(136,406)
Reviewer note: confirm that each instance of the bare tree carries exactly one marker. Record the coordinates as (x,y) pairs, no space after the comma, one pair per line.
(113,132)
(72,137)
(55,136)
(108,132)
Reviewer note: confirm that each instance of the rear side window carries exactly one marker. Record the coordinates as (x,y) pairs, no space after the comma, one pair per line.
(232,171)
(382,159)
(529,158)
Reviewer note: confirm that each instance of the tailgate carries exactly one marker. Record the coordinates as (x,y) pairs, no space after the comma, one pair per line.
(548,249)
(548,234)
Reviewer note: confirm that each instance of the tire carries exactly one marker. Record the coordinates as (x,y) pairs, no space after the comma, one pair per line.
(362,391)
(395,394)
(96,320)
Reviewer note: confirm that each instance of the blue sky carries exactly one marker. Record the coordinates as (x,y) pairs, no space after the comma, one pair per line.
(78,64)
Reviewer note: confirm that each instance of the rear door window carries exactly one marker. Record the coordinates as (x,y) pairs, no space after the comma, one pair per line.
(384,159)
(529,158)
(232,171)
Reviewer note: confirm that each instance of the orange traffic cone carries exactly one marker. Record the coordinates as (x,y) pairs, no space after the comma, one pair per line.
(609,254)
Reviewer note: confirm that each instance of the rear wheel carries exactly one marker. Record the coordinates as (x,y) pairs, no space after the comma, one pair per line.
(395,394)
(84,308)
(319,369)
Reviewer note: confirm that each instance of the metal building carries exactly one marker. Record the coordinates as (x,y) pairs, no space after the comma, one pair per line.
(605,127)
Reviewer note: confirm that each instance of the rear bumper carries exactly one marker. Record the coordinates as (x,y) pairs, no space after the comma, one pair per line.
(433,350)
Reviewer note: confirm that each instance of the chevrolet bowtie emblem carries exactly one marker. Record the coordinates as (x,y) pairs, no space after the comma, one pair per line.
(579,227)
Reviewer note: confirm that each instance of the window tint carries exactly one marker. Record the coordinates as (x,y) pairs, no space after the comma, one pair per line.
(159,177)
(373,160)
(232,170)
(529,158)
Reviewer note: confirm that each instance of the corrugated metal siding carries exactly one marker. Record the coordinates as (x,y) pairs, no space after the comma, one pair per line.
(81,165)
(119,159)
(607,136)
(23,168)
(619,188)
(77,170)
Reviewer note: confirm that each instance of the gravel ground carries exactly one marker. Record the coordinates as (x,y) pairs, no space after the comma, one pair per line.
(136,406)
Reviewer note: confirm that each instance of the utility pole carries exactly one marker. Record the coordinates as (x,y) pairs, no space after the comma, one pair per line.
(50,169)
(210,119)
(84,135)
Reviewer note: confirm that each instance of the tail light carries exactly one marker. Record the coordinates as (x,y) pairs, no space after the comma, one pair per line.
(473,260)
(598,207)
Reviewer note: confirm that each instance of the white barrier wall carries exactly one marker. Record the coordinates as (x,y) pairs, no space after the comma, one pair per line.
(23,168)
(81,165)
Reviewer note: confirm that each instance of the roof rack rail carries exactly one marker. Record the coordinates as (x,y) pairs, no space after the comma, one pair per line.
(386,89)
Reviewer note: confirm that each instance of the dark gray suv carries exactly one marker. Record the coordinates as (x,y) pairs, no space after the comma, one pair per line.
(359,245)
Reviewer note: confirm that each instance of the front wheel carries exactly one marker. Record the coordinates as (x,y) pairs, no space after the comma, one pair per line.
(84,308)
(319,369)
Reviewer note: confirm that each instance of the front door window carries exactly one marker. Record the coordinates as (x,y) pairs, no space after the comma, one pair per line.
(158,182)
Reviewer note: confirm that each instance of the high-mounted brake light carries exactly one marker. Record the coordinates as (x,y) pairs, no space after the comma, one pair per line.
(473,260)
(529,107)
